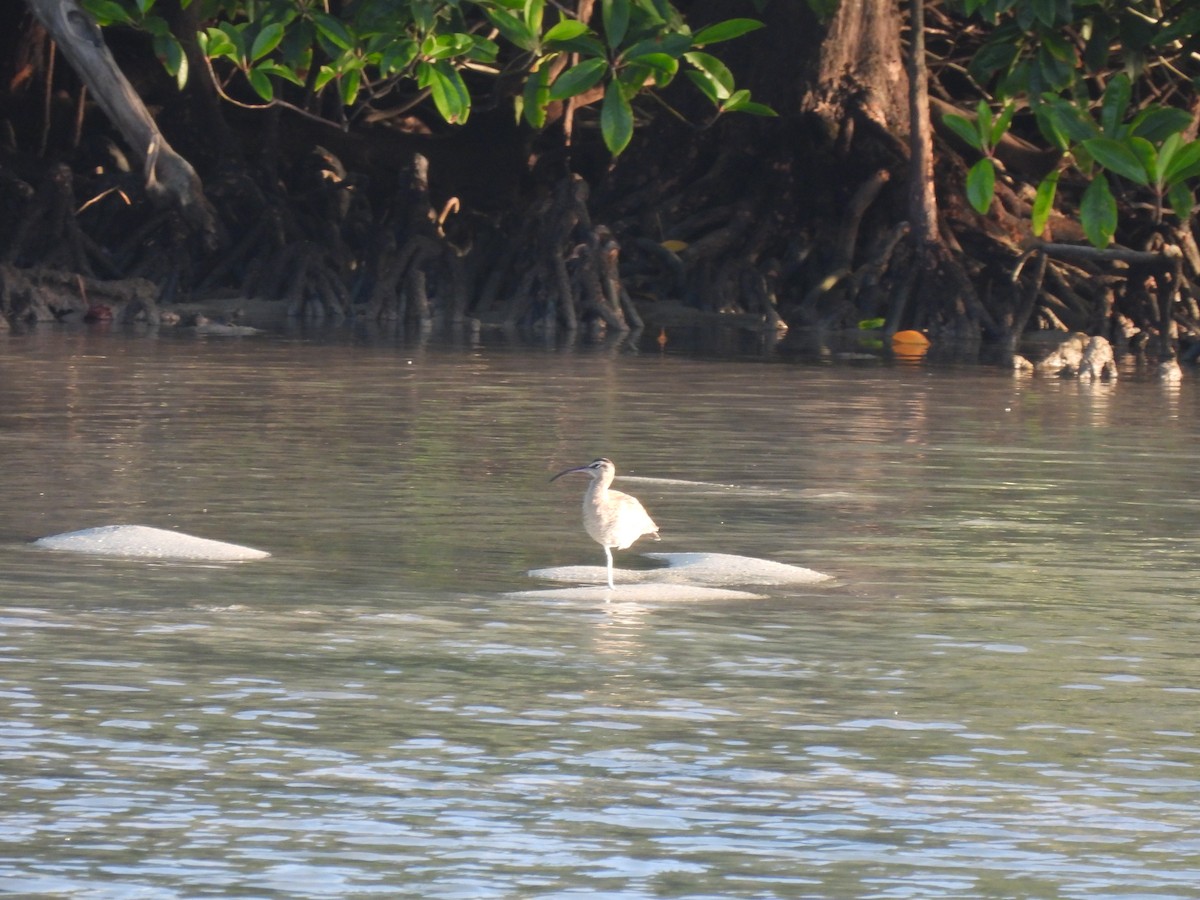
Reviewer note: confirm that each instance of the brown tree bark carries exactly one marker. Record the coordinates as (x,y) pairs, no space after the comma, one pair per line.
(859,68)
(922,202)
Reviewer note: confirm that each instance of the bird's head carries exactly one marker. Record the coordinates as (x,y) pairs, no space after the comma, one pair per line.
(597,468)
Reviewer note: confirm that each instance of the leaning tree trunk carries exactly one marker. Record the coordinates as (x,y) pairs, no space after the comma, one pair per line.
(858,88)
(859,74)
(168,175)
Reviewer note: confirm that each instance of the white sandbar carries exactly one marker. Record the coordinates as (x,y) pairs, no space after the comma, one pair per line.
(144,542)
(637,593)
(694,572)
(727,568)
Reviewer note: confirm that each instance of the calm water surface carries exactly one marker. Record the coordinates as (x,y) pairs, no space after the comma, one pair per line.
(996,697)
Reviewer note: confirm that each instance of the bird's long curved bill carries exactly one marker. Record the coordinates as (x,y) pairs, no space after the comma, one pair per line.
(569,471)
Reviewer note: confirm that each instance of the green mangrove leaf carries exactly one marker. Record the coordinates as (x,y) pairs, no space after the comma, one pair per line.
(725,31)
(736,101)
(106,12)
(1162,159)
(446,46)
(983,118)
(1049,128)
(705,83)
(535,96)
(584,45)
(398,57)
(234,40)
(616,119)
(1068,118)
(662,65)
(674,44)
(173,58)
(534,10)
(566,30)
(348,85)
(964,128)
(330,28)
(615,14)
(1157,123)
(449,93)
(514,30)
(261,84)
(1118,158)
(1114,103)
(1098,212)
(717,71)
(270,67)
(1001,123)
(981,185)
(266,41)
(754,108)
(1182,200)
(996,55)
(217,43)
(1050,72)
(483,50)
(1184,164)
(1043,202)
(577,79)
(1045,11)
(657,11)
(325,74)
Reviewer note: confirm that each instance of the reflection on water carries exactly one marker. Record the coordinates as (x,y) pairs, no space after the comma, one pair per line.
(995,697)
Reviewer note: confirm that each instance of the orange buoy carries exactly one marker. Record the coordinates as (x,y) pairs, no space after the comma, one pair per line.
(911,338)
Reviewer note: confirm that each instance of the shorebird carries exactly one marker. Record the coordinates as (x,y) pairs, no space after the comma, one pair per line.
(613,520)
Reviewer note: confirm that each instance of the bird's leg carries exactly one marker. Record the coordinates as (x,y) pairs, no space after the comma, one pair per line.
(608,554)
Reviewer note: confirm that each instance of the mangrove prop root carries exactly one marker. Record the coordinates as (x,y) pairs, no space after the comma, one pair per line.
(42,294)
